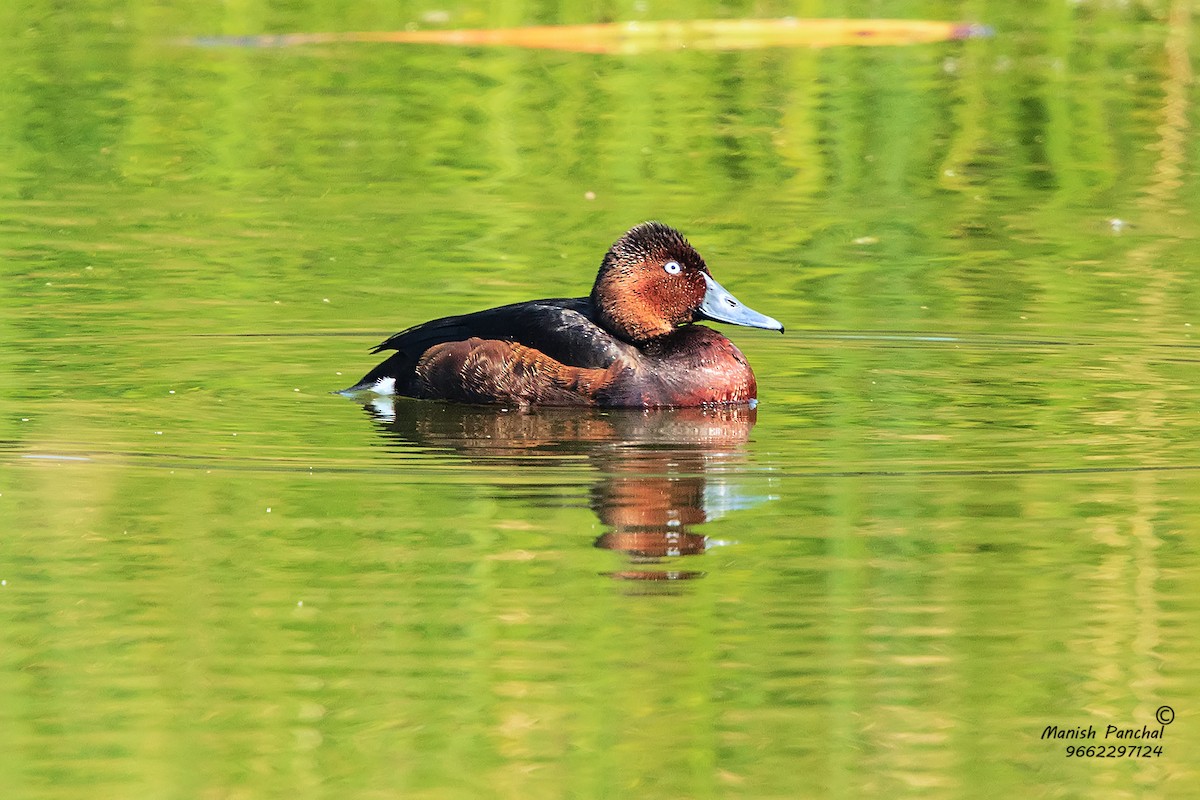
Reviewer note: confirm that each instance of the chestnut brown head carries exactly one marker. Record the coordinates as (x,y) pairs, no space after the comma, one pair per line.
(652,281)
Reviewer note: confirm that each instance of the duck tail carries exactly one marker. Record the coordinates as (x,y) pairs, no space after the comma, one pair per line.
(384,379)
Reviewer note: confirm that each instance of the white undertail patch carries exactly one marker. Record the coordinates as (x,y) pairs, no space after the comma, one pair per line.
(384,386)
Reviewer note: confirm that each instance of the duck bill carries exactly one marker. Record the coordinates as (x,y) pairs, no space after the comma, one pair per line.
(721,306)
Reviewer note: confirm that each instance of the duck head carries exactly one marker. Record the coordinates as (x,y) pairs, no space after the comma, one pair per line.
(652,281)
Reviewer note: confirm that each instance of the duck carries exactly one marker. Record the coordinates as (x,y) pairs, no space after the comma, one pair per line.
(633,342)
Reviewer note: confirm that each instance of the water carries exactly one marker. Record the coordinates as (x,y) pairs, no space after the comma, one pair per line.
(963,512)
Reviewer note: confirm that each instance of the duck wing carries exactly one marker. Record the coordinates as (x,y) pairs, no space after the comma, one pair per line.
(562,329)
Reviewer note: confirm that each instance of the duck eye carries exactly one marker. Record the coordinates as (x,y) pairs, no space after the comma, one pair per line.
(672,268)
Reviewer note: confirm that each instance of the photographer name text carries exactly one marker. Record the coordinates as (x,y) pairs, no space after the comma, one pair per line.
(1110,732)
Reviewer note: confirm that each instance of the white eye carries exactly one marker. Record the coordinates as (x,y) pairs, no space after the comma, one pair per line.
(672,268)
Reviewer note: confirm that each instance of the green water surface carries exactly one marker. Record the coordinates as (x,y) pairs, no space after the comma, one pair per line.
(965,510)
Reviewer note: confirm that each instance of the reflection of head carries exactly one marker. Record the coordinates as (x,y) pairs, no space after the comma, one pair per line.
(654,543)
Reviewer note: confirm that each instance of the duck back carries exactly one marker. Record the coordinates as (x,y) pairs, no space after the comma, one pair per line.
(562,330)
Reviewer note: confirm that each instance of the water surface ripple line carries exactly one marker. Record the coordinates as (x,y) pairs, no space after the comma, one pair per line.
(915,337)
(266,465)
(881,337)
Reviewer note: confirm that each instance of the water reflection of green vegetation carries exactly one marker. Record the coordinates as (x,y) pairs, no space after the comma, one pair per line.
(960,162)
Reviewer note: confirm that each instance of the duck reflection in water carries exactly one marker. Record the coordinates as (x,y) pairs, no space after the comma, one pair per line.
(658,474)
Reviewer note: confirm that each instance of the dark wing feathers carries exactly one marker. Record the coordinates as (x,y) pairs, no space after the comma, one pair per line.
(562,329)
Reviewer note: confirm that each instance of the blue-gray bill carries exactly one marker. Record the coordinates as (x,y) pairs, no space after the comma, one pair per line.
(721,306)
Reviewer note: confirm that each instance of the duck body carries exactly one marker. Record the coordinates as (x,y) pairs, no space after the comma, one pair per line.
(630,344)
